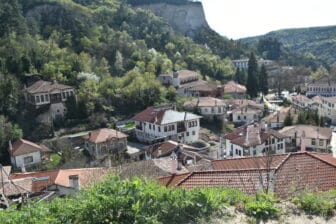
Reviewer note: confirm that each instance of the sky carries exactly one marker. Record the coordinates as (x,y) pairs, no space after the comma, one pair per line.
(242,18)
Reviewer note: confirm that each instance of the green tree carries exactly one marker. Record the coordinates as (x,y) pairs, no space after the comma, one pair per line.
(252,75)
(118,64)
(270,48)
(288,119)
(263,80)
(8,132)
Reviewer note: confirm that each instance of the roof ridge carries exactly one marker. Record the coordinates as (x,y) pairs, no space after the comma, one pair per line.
(321,159)
(184,179)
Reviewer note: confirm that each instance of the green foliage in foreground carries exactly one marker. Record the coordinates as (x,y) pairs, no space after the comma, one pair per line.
(135,201)
(322,203)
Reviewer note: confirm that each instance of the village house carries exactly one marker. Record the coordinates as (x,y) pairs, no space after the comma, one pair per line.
(242,64)
(315,138)
(48,99)
(327,108)
(253,140)
(301,102)
(24,153)
(234,89)
(165,123)
(55,183)
(285,174)
(208,107)
(187,84)
(324,86)
(276,119)
(104,142)
(247,114)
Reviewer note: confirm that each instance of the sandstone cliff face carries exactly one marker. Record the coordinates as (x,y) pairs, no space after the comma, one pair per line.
(186,19)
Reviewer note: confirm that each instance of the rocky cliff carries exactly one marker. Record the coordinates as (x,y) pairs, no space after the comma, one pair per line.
(186,18)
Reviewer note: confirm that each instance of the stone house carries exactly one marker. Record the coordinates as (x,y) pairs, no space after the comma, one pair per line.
(48,99)
(104,142)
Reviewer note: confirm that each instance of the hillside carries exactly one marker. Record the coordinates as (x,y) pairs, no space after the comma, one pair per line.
(316,42)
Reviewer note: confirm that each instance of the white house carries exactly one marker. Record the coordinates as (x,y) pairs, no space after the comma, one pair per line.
(157,123)
(325,86)
(254,140)
(208,107)
(315,138)
(24,153)
(301,101)
(276,119)
(178,78)
(104,142)
(48,97)
(327,108)
(247,114)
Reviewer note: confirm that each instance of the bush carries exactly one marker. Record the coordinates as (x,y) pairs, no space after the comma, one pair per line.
(263,207)
(322,203)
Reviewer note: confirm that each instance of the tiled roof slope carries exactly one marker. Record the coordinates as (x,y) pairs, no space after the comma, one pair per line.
(45,86)
(103,135)
(307,131)
(292,172)
(22,146)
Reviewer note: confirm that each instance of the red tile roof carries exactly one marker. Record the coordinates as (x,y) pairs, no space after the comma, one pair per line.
(103,135)
(183,74)
(251,135)
(45,86)
(204,102)
(151,114)
(42,179)
(21,147)
(166,148)
(307,131)
(250,163)
(301,169)
(233,87)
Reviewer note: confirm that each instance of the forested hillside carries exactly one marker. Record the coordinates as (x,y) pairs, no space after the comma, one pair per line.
(108,50)
(316,43)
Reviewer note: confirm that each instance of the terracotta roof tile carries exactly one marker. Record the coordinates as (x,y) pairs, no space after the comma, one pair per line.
(183,74)
(45,86)
(247,163)
(173,180)
(21,147)
(307,131)
(205,102)
(103,135)
(233,87)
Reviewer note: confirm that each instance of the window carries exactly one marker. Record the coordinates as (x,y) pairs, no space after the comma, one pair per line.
(67,93)
(28,159)
(205,109)
(150,127)
(238,117)
(254,152)
(37,99)
(212,110)
(313,142)
(165,128)
(173,127)
(47,97)
(244,117)
(42,98)
(187,133)
(321,142)
(71,93)
(159,129)
(193,133)
(273,140)
(63,95)
(219,110)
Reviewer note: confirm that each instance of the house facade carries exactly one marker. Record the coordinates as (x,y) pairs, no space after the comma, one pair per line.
(104,142)
(327,108)
(165,123)
(276,119)
(315,138)
(49,98)
(253,140)
(208,107)
(24,153)
(325,86)
(247,114)
(178,78)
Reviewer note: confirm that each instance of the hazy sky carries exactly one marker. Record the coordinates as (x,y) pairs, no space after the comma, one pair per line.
(242,18)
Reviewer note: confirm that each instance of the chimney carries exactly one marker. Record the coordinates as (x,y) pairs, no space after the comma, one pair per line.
(74,182)
(179,164)
(303,146)
(278,116)
(89,135)
(10,146)
(159,153)
(175,74)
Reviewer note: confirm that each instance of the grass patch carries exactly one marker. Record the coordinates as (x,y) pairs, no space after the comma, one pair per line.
(317,203)
(55,161)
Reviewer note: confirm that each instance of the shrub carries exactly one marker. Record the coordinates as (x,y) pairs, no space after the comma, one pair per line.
(322,203)
(263,207)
